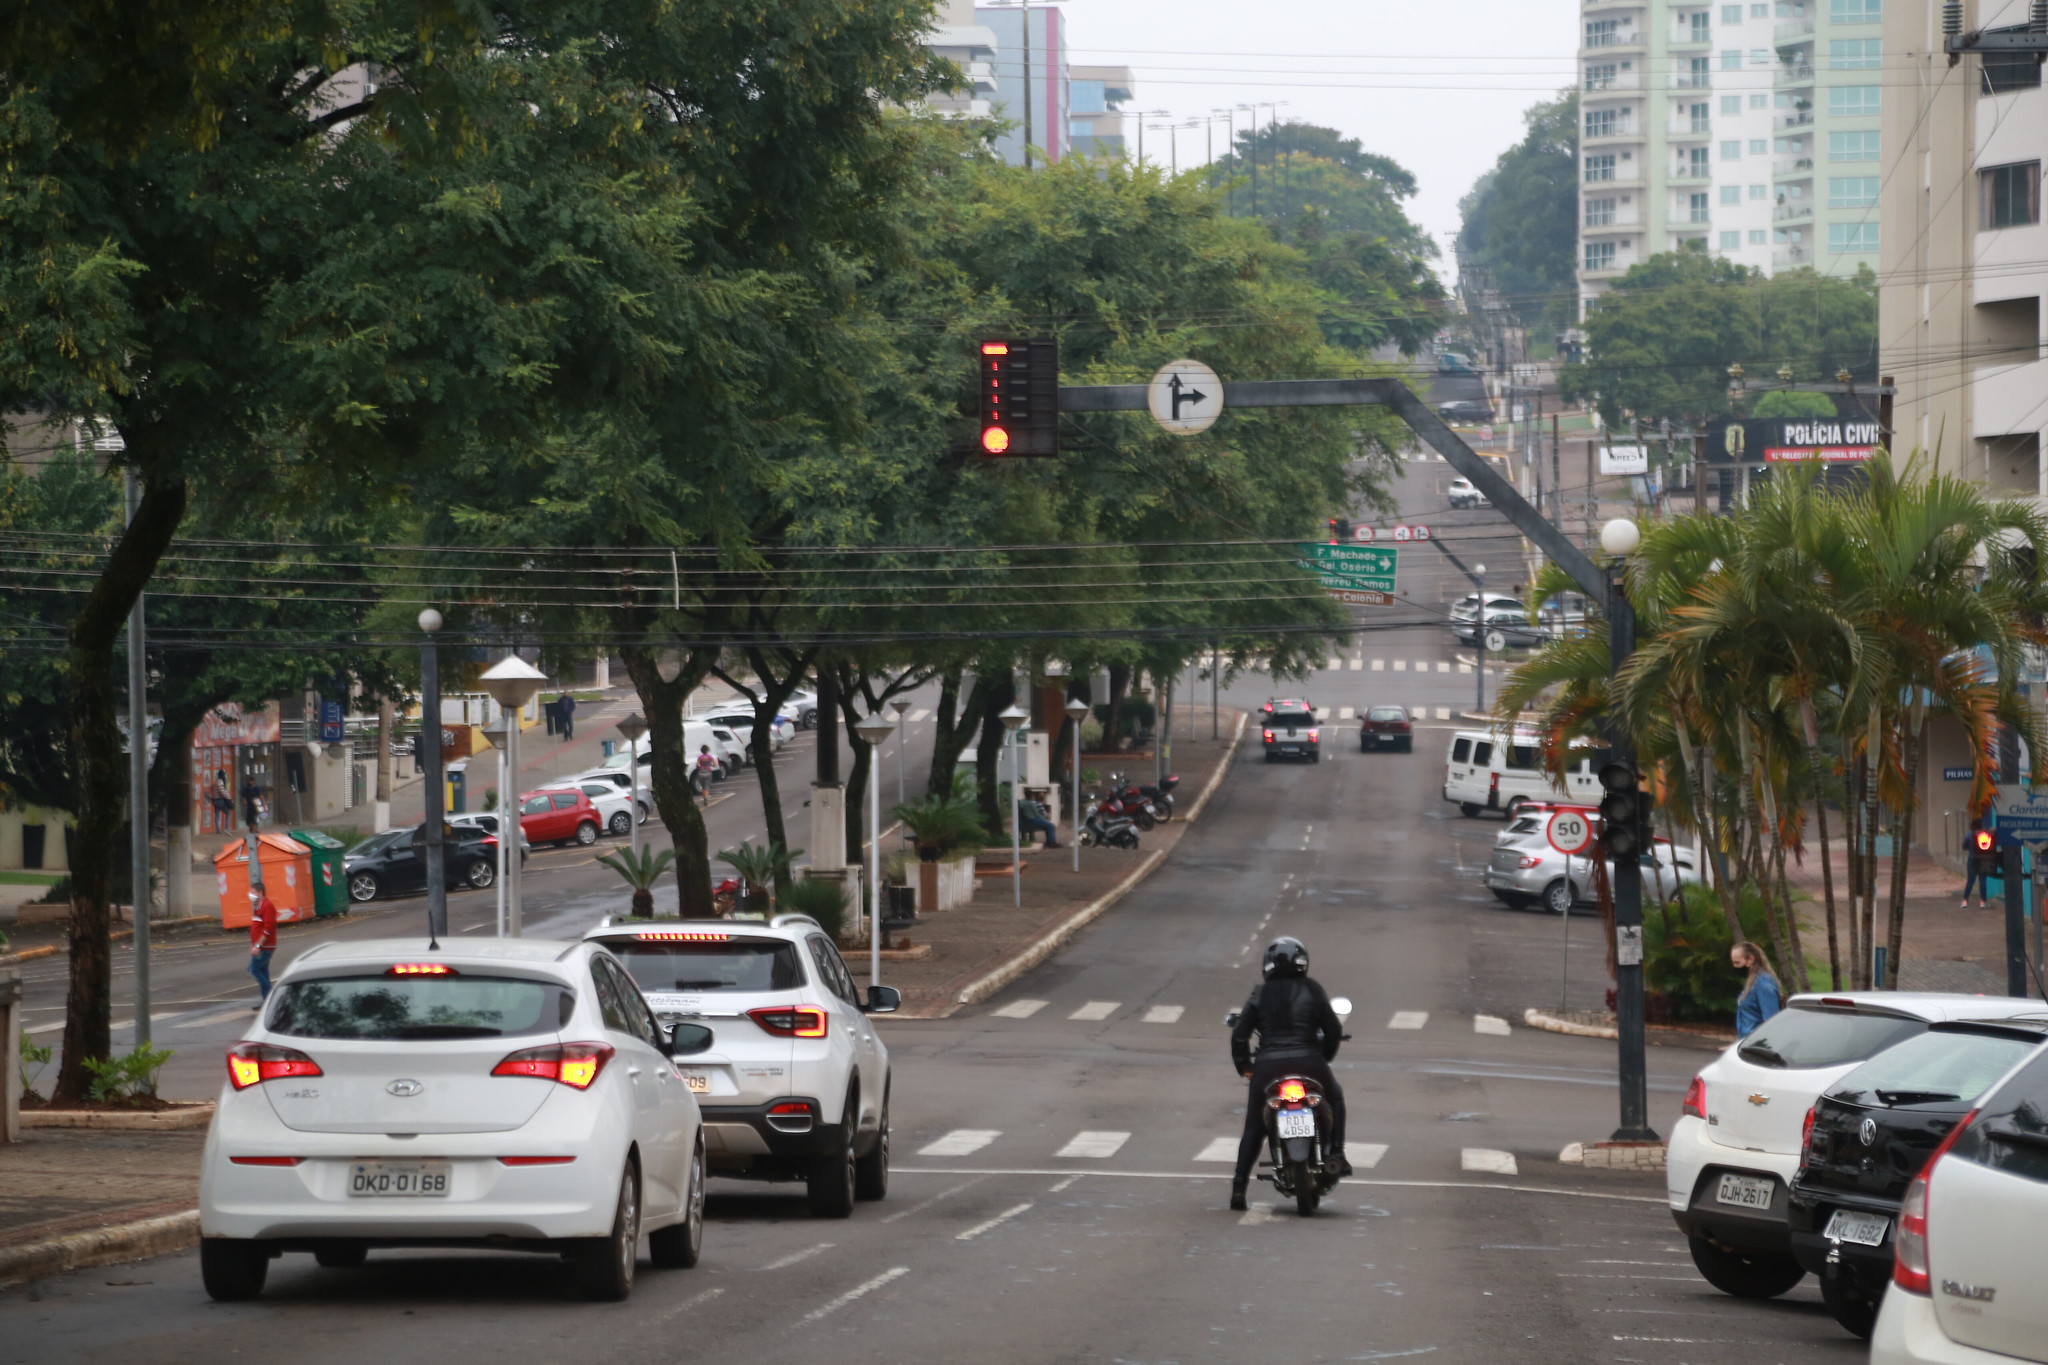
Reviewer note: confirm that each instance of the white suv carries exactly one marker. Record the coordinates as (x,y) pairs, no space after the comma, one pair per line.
(509,1094)
(797,1087)
(1734,1151)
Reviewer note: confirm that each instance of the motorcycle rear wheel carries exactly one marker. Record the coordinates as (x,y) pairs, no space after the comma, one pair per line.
(1306,1195)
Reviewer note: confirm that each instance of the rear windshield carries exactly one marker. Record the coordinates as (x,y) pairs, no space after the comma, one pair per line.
(1294,719)
(1386,713)
(1797,1038)
(2011,1135)
(376,843)
(760,964)
(1461,751)
(1938,1067)
(413,1008)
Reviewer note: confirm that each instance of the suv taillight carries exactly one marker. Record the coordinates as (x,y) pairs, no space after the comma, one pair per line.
(790,1021)
(575,1065)
(1315,736)
(1812,1158)
(1696,1098)
(1269,736)
(252,1063)
(1910,1270)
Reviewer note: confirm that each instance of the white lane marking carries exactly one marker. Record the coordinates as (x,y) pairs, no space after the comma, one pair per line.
(1019,1009)
(1408,1019)
(919,714)
(1222,1149)
(1090,1143)
(1443,713)
(1443,666)
(1400,665)
(1165,1014)
(1005,1216)
(796,1256)
(1357,664)
(1257,1214)
(239,1012)
(1659,1200)
(1487,1161)
(1346,713)
(1365,1155)
(1490,1023)
(941,1195)
(1379,665)
(694,1301)
(1464,668)
(1097,1009)
(118,1024)
(961,1142)
(895,1273)
(1064,1183)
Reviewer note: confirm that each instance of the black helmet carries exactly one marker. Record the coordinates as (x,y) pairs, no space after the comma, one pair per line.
(1285,957)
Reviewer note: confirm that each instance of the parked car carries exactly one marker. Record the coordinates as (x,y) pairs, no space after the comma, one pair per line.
(1462,492)
(485,823)
(394,864)
(1466,608)
(1525,870)
(559,817)
(1450,362)
(1510,623)
(738,717)
(1386,727)
(1969,1259)
(1465,411)
(613,802)
(503,1095)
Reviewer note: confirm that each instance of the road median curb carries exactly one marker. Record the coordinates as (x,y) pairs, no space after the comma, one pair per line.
(139,1120)
(1550,1023)
(102,1246)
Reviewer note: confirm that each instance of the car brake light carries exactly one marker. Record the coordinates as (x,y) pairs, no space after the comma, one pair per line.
(420,969)
(1806,1135)
(791,1107)
(1494,785)
(575,1065)
(1840,1001)
(535,1160)
(266,1160)
(790,1021)
(1269,736)
(1910,1270)
(1530,860)
(1696,1098)
(251,1063)
(1292,1092)
(1314,736)
(685,935)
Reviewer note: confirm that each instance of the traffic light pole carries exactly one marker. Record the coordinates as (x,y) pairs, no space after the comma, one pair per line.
(1625,882)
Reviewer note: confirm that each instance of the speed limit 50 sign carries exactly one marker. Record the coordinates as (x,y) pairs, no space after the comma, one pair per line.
(1569,831)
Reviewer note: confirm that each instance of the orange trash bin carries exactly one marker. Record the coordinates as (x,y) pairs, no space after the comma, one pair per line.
(287,876)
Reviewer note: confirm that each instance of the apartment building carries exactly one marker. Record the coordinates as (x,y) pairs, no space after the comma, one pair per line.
(1030,85)
(1096,121)
(1749,130)
(1964,259)
(964,40)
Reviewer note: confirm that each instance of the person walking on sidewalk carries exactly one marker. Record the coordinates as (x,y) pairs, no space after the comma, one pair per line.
(707,767)
(1981,856)
(262,942)
(565,716)
(1761,997)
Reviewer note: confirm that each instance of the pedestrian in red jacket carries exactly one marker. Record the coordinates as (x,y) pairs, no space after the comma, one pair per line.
(262,942)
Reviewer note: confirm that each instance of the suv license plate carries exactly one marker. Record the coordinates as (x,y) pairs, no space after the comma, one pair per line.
(1744,1191)
(699,1083)
(1864,1229)
(1296,1123)
(398,1179)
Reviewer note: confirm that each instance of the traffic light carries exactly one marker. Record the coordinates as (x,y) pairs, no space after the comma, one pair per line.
(1340,530)
(1019,398)
(1624,813)
(1984,839)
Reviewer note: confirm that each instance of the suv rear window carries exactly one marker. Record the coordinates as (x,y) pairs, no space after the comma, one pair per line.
(1940,1066)
(744,964)
(383,1008)
(2011,1134)
(1796,1038)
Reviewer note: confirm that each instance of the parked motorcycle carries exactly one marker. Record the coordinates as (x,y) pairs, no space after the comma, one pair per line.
(1301,1158)
(1133,802)
(1107,827)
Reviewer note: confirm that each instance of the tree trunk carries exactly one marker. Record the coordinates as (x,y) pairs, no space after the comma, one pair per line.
(1852,857)
(1112,721)
(1902,851)
(1798,962)
(1731,908)
(100,770)
(857,777)
(669,767)
(767,704)
(1817,761)
(996,696)
(956,727)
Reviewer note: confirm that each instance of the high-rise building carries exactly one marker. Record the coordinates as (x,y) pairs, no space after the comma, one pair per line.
(1709,124)
(1030,80)
(1096,121)
(969,44)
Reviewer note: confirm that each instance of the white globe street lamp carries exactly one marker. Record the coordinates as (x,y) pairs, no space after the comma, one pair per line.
(1077,711)
(874,730)
(512,683)
(1620,537)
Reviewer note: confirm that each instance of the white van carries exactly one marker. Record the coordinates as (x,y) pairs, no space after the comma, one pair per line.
(731,753)
(1490,770)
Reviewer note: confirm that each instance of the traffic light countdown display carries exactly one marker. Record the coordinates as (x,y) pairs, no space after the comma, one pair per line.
(1019,399)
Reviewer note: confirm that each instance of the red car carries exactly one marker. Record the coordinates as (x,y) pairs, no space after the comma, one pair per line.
(1386,727)
(559,817)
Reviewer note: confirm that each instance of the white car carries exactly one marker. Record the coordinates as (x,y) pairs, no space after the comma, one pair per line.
(1970,1261)
(614,800)
(510,1094)
(798,1085)
(1466,609)
(1464,493)
(1738,1141)
(738,717)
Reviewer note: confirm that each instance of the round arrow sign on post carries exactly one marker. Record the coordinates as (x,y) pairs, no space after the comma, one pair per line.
(1185,397)
(1569,831)
(1495,642)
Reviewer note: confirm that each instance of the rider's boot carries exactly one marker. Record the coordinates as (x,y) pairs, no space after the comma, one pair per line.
(1237,1188)
(1343,1166)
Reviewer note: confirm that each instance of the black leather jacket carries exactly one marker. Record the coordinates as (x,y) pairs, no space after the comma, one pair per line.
(1292,1017)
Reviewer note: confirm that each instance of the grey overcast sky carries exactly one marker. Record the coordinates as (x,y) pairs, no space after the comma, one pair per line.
(1438,87)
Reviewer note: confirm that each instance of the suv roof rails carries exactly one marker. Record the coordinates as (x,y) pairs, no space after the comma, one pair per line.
(793,918)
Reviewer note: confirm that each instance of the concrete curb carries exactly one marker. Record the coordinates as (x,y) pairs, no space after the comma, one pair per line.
(102,1246)
(118,936)
(1550,1023)
(29,955)
(140,1121)
(1222,766)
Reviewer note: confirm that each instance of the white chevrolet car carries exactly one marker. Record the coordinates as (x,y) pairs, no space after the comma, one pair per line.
(797,1086)
(510,1094)
(1736,1146)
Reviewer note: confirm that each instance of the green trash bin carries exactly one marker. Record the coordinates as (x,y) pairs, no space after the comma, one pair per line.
(330,884)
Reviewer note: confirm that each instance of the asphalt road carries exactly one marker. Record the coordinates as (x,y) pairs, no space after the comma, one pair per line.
(1056,1196)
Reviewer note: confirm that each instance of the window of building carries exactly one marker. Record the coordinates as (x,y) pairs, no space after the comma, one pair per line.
(1697,77)
(2009,196)
(1759,11)
(1600,167)
(1599,213)
(1599,255)
(1732,194)
(1603,32)
(1791,9)
(1600,77)
(1759,56)
(1759,191)
(1848,237)
(1731,241)
(1731,14)
(1731,105)
(1852,191)
(1852,54)
(1731,59)
(1756,237)
(1731,150)
(1788,146)
(1700,121)
(1699,27)
(1087,97)
(1856,146)
(1696,161)
(1852,101)
(1759,101)
(1696,210)
(1758,146)
(1782,100)
(1855,11)
(1600,123)
(2004,71)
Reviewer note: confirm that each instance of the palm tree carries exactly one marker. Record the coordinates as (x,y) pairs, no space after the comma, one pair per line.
(640,871)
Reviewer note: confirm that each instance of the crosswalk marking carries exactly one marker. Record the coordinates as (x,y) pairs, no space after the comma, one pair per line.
(1020,1009)
(1165,1014)
(1408,1019)
(1443,665)
(1357,664)
(1322,713)
(1464,668)
(1365,1155)
(919,714)
(1400,665)
(1443,713)
(961,1142)
(1005,1216)
(1487,1161)
(1221,1149)
(1345,713)
(1379,665)
(1089,1143)
(1097,1009)
(1490,1023)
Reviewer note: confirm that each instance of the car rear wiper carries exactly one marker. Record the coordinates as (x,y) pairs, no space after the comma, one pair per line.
(696,985)
(1763,1052)
(450,1031)
(1915,1096)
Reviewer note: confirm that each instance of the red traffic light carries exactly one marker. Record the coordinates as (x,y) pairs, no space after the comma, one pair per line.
(1984,840)
(995,440)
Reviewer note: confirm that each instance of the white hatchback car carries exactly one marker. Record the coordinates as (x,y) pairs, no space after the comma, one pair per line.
(1738,1142)
(1970,1259)
(797,1087)
(515,1094)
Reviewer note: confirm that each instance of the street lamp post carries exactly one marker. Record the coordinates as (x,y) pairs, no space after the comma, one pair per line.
(630,730)
(1620,538)
(899,706)
(1077,710)
(1479,635)
(1014,719)
(495,732)
(874,730)
(512,683)
(435,806)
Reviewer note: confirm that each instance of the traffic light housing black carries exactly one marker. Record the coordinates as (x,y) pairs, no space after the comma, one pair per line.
(1340,530)
(1624,813)
(1018,399)
(1984,839)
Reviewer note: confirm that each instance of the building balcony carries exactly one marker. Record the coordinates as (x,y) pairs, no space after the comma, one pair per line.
(1695,133)
(980,75)
(1686,175)
(1609,271)
(1693,80)
(1803,119)
(1792,211)
(1793,32)
(1619,227)
(1686,38)
(1610,4)
(1792,167)
(1788,257)
(1620,80)
(1618,135)
(1792,77)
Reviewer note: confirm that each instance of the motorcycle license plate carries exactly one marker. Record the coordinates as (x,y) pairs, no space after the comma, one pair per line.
(1296,1123)
(1864,1229)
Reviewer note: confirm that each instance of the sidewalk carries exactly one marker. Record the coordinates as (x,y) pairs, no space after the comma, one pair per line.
(85,1196)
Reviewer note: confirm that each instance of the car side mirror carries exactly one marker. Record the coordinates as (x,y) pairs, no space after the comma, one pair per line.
(883,1000)
(686,1040)
(1340,1005)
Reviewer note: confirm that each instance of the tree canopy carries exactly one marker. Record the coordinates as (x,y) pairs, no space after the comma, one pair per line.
(1521,217)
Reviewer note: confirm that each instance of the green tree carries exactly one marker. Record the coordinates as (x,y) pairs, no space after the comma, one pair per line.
(1521,217)
(1793,403)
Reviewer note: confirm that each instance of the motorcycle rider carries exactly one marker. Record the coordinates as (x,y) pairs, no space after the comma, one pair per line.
(1298,1036)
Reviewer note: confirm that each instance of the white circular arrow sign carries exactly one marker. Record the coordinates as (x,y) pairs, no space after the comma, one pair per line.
(1185,397)
(1569,831)
(1496,643)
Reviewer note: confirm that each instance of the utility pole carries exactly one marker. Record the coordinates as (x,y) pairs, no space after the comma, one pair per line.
(1556,475)
(138,791)
(1626,885)
(1024,17)
(434,804)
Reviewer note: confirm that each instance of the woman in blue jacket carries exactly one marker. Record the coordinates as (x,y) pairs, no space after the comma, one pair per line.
(1761,997)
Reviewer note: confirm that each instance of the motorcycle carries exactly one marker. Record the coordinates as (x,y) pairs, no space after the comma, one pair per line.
(1300,1154)
(1107,827)
(1128,800)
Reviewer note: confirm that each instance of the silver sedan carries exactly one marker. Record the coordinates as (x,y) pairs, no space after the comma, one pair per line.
(1525,870)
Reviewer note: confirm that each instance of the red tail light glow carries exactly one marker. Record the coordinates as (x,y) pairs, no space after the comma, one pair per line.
(1315,736)
(1269,736)
(535,1160)
(685,935)
(266,1160)
(1696,1098)
(1806,1136)
(252,1063)
(1529,860)
(575,1065)
(1292,1092)
(1910,1270)
(791,1107)
(790,1021)
(420,969)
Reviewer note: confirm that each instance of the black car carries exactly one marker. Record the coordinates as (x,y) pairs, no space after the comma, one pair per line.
(1867,1138)
(394,864)
(1465,410)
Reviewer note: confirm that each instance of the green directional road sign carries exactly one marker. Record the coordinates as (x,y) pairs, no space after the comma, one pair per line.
(1362,575)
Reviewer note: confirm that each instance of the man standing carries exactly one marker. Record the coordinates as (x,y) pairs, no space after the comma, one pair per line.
(565,716)
(262,942)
